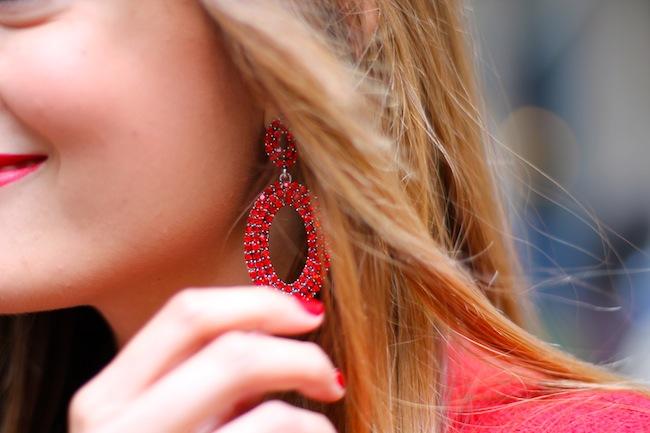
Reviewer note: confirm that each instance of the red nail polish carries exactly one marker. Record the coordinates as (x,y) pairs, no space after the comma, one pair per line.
(340,378)
(313,306)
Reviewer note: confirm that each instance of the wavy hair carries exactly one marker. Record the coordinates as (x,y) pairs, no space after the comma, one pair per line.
(383,98)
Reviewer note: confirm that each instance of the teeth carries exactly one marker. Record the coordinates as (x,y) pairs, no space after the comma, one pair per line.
(16,166)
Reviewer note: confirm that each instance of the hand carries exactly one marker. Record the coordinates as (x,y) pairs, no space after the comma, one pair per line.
(202,360)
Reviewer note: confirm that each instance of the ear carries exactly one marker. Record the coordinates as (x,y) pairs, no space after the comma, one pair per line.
(370,18)
(362,16)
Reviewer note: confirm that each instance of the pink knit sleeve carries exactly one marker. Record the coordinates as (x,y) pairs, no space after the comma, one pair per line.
(571,412)
(483,398)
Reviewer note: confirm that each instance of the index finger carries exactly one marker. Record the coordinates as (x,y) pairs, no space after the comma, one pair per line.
(187,322)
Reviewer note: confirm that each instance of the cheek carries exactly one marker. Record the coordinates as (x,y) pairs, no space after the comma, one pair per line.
(153,112)
(49,80)
(85,92)
(138,131)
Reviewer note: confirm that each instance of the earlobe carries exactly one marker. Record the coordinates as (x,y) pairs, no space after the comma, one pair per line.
(271,113)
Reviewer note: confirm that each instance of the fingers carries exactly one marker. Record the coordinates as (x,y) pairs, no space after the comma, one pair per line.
(235,367)
(276,416)
(188,321)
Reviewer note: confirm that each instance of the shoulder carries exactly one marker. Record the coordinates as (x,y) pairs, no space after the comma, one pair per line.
(585,411)
(487,399)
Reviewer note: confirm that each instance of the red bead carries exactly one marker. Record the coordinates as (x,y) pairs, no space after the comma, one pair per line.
(256,240)
(280,146)
(283,157)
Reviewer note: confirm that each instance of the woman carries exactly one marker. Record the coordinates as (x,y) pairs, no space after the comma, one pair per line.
(125,283)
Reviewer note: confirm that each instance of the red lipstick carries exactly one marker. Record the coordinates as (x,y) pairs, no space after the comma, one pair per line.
(14,167)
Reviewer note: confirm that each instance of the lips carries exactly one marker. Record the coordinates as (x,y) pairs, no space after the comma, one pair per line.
(14,167)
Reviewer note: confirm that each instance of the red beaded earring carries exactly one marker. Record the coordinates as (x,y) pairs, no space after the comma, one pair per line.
(284,192)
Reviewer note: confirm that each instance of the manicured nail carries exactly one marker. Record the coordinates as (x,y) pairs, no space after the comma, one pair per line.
(312,306)
(339,378)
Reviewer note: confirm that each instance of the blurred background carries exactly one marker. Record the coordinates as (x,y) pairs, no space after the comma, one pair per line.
(567,84)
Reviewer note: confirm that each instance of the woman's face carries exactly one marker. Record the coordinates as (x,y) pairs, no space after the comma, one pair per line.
(150,137)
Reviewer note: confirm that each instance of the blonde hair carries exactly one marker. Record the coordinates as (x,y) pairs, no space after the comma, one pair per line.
(385,106)
(392,141)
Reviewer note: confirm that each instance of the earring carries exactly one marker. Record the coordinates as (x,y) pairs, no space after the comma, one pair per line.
(281,193)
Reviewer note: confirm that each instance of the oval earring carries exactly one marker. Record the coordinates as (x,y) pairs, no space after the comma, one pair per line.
(281,193)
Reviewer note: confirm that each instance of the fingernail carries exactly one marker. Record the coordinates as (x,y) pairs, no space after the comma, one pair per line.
(312,306)
(340,379)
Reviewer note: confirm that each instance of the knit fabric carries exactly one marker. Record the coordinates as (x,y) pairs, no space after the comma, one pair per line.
(487,399)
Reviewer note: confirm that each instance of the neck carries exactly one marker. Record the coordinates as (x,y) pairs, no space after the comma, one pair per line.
(129,308)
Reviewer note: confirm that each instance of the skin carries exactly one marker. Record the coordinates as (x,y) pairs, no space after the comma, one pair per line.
(151,136)
(153,142)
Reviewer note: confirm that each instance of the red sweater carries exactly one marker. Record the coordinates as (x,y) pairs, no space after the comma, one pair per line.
(486,399)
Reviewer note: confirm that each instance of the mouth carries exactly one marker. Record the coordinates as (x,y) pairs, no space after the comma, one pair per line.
(14,167)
